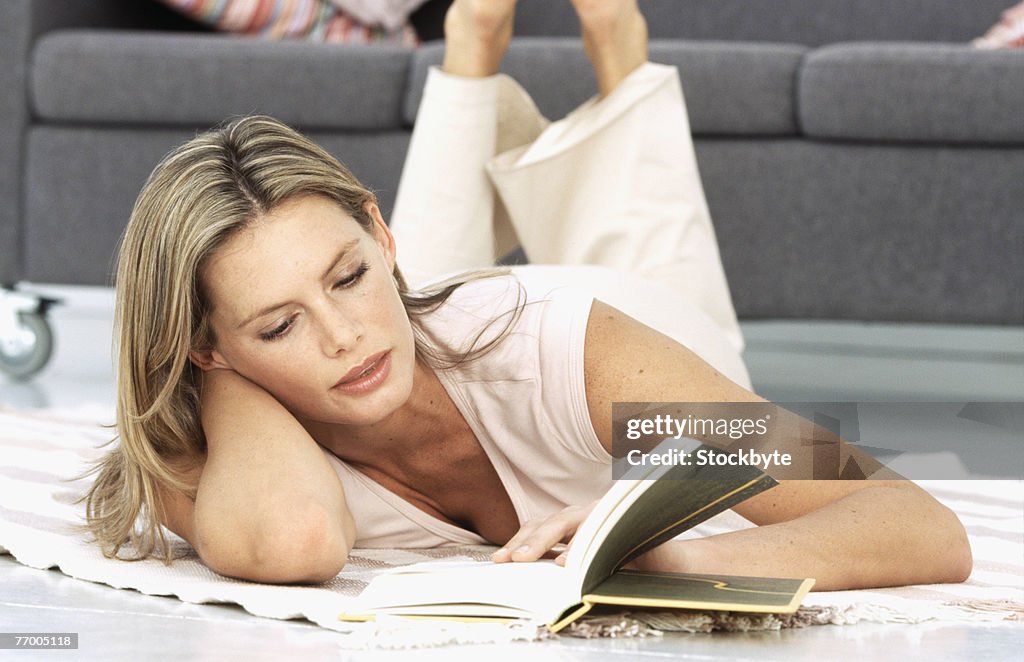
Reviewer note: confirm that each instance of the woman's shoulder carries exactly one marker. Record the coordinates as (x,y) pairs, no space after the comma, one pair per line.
(530,382)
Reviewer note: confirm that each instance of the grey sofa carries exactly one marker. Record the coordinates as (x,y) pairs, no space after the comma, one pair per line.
(860,160)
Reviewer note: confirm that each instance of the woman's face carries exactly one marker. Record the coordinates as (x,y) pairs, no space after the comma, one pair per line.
(304,305)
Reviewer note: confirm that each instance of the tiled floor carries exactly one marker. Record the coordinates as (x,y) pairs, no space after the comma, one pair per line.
(788,361)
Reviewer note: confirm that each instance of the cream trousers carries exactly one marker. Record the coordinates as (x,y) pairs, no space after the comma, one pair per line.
(614,184)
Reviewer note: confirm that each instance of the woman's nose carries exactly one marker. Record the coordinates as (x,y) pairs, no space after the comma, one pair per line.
(339,331)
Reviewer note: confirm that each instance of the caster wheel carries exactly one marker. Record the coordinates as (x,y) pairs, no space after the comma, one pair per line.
(28,350)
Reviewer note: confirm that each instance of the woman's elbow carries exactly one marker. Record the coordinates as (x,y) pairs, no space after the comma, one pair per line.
(959,561)
(312,550)
(314,553)
(942,551)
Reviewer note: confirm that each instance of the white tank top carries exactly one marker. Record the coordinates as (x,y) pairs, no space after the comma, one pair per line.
(525,399)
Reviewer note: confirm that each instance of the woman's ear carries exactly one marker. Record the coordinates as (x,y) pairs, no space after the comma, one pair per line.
(381,233)
(208,359)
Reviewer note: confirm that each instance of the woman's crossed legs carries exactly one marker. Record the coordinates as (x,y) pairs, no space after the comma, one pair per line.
(613,184)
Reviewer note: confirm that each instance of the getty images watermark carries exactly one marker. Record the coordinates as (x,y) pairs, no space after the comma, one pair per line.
(823,441)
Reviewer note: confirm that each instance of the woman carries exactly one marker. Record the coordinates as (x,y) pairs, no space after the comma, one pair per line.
(283,396)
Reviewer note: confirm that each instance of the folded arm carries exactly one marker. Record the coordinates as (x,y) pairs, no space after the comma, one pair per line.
(846,534)
(268,507)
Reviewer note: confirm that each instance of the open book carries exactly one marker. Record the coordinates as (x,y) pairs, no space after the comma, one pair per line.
(636,515)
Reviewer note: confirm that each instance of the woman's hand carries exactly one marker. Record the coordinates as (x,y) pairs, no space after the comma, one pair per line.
(539,536)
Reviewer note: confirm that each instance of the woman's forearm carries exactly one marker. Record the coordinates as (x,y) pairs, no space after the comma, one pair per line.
(879,536)
(269,507)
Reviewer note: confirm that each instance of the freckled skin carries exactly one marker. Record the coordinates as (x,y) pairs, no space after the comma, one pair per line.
(331,329)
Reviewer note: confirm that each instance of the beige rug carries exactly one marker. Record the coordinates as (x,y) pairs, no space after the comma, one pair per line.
(40,450)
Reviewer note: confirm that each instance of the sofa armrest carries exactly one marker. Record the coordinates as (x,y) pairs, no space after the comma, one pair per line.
(15,38)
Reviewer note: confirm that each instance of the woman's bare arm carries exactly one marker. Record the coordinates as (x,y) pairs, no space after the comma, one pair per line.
(269,507)
(845,534)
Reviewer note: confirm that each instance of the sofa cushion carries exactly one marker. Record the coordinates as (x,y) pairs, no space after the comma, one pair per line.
(906,92)
(738,89)
(159,79)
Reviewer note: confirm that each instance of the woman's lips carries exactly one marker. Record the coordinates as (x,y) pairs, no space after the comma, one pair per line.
(367,376)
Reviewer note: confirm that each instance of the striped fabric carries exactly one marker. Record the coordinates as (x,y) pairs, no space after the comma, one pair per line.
(40,451)
(388,13)
(1007,33)
(310,20)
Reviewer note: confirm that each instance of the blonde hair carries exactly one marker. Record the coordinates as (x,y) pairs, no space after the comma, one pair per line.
(197,197)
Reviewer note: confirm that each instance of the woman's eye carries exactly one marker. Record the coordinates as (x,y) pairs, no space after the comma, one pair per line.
(278,331)
(281,329)
(354,277)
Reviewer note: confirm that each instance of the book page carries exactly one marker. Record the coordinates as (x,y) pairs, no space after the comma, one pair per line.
(652,511)
(539,590)
(626,489)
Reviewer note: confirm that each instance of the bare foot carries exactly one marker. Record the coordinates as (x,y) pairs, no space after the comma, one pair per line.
(614,38)
(476,35)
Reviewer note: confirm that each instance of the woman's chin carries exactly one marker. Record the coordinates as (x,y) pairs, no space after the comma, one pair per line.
(373,407)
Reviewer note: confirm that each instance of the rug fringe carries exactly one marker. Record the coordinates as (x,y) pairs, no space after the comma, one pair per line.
(1011,610)
(396,633)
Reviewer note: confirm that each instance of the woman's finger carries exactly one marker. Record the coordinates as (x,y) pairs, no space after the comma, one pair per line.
(505,553)
(525,545)
(537,537)
(560,559)
(543,537)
